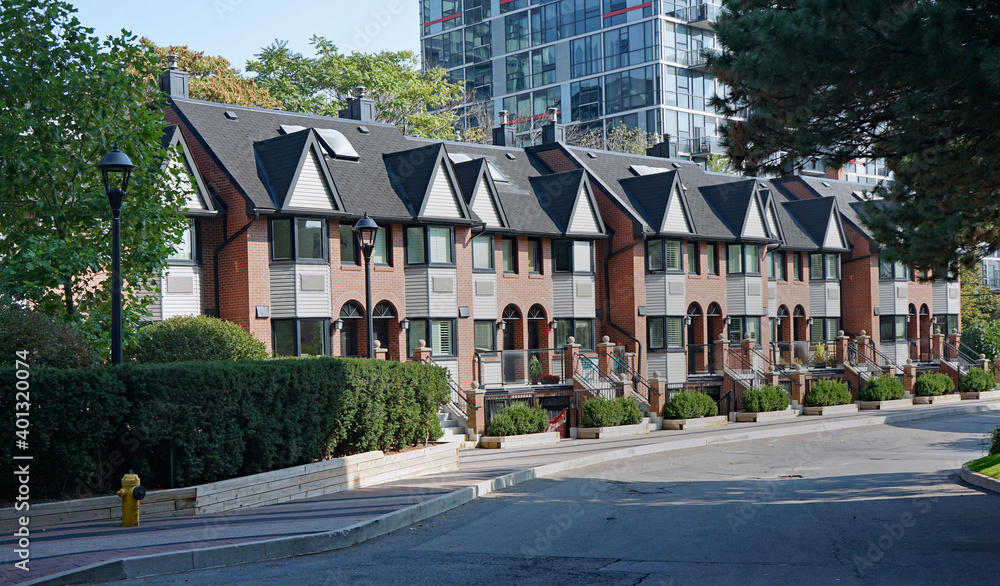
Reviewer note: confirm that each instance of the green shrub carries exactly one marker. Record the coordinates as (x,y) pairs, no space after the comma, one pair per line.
(766,398)
(601,412)
(977,380)
(48,341)
(689,405)
(218,419)
(199,337)
(884,387)
(983,338)
(993,438)
(933,383)
(518,419)
(827,392)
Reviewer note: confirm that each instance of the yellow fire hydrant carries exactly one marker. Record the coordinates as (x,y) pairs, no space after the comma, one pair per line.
(131,493)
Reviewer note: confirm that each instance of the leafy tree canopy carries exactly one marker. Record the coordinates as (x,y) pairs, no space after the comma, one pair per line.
(916,82)
(65,98)
(403,95)
(213,79)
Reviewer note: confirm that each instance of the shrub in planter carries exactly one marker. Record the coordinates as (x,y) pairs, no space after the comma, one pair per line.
(631,414)
(933,383)
(601,412)
(766,398)
(977,380)
(827,392)
(882,388)
(197,338)
(690,405)
(518,419)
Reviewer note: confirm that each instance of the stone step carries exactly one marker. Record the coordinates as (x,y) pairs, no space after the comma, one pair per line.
(450,423)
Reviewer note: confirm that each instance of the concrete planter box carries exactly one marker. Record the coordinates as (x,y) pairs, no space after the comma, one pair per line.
(748,417)
(983,395)
(696,422)
(831,409)
(937,399)
(892,404)
(980,480)
(497,442)
(615,431)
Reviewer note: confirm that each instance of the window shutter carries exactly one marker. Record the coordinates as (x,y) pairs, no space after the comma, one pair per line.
(441,334)
(831,266)
(675,338)
(673,254)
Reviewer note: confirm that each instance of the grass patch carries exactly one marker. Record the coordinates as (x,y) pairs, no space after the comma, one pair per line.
(990,466)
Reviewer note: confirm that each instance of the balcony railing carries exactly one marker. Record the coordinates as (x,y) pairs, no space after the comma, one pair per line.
(693,58)
(518,367)
(701,15)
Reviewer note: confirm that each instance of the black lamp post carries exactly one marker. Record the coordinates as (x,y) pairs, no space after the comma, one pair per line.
(116,169)
(365,229)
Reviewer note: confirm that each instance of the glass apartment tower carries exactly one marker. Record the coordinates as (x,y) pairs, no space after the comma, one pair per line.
(601,62)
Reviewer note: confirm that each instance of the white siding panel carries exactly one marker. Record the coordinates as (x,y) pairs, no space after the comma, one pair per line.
(155,306)
(443,302)
(492,374)
(886,297)
(312,303)
(676,295)
(442,201)
(939,298)
(450,364)
(657,362)
(772,221)
(584,304)
(817,299)
(676,367)
(954,298)
(755,221)
(584,220)
(772,300)
(901,298)
(311,191)
(656,294)
(485,207)
(417,286)
(833,238)
(187,184)
(676,220)
(736,295)
(283,291)
(832,300)
(484,306)
(562,296)
(755,296)
(174,304)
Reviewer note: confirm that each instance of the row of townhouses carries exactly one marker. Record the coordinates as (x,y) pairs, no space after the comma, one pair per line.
(495,256)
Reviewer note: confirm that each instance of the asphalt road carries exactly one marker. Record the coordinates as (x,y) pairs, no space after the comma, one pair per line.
(879,504)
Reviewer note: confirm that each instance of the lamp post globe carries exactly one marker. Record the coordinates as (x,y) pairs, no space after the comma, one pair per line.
(116,168)
(365,230)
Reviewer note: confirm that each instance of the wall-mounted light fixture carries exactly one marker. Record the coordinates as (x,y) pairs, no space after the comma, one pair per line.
(338,324)
(405,324)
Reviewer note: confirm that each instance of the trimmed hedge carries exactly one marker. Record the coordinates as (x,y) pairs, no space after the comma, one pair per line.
(601,412)
(932,384)
(197,337)
(689,405)
(828,392)
(766,398)
(220,419)
(884,387)
(977,380)
(518,419)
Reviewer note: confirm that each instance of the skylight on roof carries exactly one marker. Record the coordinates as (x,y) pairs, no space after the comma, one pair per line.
(495,173)
(290,128)
(336,144)
(459,157)
(645,170)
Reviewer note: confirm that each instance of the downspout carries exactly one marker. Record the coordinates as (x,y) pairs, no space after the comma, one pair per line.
(607,291)
(218,249)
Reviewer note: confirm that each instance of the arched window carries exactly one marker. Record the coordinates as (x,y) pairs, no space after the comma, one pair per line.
(536,311)
(352,310)
(511,312)
(714,310)
(799,312)
(694,310)
(782,311)
(384,309)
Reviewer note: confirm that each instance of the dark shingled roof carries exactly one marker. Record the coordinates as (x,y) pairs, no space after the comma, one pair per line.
(277,160)
(558,194)
(813,215)
(168,135)
(467,174)
(650,194)
(730,202)
(844,192)
(412,171)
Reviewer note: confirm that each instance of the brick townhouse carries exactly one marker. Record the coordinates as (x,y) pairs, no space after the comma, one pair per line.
(485,252)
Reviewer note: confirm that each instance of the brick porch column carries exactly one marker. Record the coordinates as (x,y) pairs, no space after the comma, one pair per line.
(475,410)
(862,342)
(721,348)
(571,355)
(937,345)
(909,376)
(771,379)
(657,393)
(841,345)
(746,348)
(798,378)
(605,355)
(421,353)
(380,352)
(954,338)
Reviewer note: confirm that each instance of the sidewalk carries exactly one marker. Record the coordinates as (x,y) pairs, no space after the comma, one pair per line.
(103,551)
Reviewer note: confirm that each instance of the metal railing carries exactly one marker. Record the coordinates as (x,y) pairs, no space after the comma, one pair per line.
(458,399)
(971,353)
(962,360)
(742,371)
(704,12)
(518,367)
(698,365)
(496,401)
(594,379)
(919,349)
(639,383)
(789,354)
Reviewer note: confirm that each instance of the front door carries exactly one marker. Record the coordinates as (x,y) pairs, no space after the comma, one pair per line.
(349,338)
(533,342)
(511,360)
(381,329)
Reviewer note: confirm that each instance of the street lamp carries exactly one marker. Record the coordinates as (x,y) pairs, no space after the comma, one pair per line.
(365,229)
(116,168)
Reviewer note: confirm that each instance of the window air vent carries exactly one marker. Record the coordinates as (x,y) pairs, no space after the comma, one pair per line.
(363,129)
(592,155)
(510,156)
(230,115)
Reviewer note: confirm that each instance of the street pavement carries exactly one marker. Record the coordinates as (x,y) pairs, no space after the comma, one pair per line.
(878,505)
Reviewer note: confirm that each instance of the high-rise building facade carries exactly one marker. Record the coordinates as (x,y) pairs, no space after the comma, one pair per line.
(601,62)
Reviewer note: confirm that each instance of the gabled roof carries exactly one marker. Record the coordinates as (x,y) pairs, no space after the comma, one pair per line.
(659,197)
(414,173)
(739,207)
(284,160)
(771,218)
(474,180)
(820,219)
(200,202)
(565,197)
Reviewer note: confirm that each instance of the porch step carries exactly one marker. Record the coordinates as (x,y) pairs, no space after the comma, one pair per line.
(453,430)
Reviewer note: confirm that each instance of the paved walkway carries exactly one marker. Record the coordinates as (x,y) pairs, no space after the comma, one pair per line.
(56,550)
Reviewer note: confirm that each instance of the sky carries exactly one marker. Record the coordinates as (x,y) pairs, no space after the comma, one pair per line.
(237,29)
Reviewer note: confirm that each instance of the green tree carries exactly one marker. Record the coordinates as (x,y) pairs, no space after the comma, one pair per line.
(620,138)
(214,79)
(65,97)
(979,304)
(418,103)
(914,82)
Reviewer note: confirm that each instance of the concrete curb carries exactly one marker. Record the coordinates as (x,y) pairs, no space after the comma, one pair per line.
(274,549)
(980,480)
